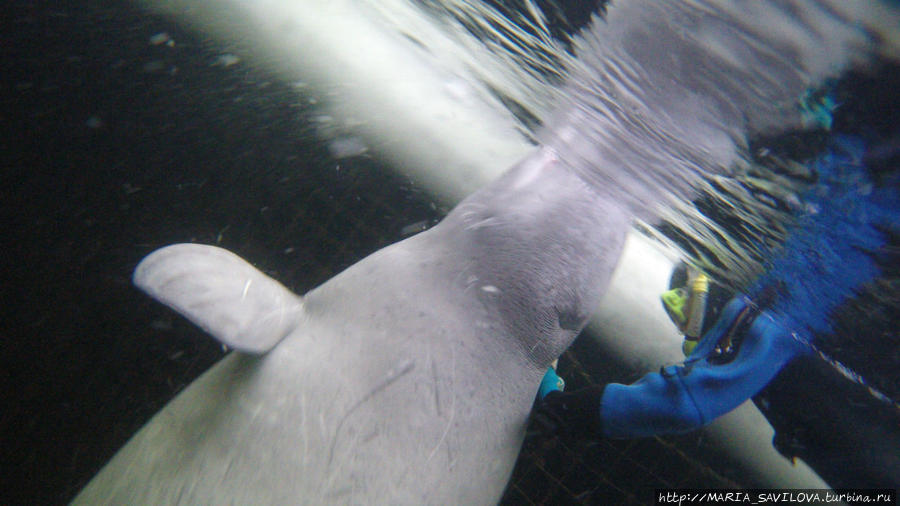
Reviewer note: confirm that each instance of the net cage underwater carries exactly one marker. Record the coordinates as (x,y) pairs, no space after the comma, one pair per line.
(81,391)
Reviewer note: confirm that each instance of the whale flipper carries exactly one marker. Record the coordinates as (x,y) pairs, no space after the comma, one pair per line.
(222,294)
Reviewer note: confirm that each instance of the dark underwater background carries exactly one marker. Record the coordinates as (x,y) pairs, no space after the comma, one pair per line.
(113,146)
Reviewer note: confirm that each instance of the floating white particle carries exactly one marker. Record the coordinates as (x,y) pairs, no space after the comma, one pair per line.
(414,228)
(226,60)
(160,39)
(346,147)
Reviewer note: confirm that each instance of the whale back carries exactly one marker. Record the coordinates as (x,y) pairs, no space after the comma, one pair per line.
(406,379)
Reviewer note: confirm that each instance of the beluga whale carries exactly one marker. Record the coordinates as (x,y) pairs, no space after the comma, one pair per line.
(406,379)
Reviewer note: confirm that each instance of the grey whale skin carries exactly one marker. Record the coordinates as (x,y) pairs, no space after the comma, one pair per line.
(406,379)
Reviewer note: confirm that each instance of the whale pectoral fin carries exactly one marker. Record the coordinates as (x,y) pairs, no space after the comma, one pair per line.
(222,294)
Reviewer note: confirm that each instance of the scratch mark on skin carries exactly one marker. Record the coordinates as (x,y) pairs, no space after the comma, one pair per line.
(228,468)
(452,407)
(304,428)
(487,222)
(246,289)
(391,376)
(180,495)
(471,210)
(470,279)
(437,394)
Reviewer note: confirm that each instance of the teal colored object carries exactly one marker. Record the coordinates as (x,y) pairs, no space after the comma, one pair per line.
(550,383)
(816,109)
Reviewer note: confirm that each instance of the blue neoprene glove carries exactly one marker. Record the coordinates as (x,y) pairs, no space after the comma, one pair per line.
(685,397)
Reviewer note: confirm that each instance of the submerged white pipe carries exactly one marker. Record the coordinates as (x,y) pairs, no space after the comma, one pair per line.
(410,109)
(431,122)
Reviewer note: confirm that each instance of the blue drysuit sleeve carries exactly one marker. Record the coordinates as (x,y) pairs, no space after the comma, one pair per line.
(685,397)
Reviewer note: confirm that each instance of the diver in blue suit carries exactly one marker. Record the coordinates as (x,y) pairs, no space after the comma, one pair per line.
(827,259)
(734,360)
